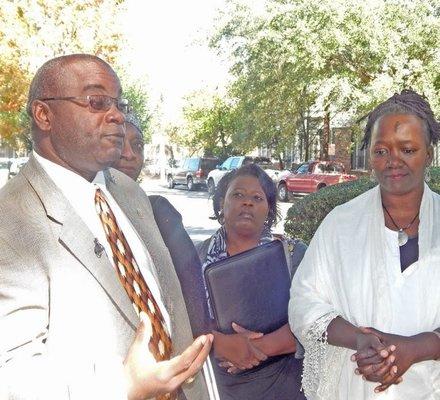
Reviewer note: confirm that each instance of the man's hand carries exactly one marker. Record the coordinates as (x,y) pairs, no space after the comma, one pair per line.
(147,378)
(237,348)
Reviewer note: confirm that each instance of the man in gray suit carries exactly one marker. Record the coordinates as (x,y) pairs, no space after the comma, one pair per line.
(68,328)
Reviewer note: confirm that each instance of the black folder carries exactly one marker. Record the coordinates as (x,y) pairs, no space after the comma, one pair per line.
(250,288)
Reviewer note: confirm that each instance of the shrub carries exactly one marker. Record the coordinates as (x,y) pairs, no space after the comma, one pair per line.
(305,215)
(434,184)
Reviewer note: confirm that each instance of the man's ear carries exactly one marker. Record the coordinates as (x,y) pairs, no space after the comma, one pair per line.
(42,115)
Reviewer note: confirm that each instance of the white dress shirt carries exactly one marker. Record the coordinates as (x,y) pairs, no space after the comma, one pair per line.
(81,195)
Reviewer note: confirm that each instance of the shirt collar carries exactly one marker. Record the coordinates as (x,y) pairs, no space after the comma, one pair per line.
(59,173)
(68,181)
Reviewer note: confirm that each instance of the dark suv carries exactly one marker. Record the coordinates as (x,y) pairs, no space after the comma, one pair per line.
(192,172)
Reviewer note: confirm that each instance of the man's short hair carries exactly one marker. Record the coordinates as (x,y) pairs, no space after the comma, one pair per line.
(48,76)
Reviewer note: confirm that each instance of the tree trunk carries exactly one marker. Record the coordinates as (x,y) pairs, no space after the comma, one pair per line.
(306,138)
(325,134)
(280,161)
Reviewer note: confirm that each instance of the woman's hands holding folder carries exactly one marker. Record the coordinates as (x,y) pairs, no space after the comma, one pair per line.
(280,341)
(237,350)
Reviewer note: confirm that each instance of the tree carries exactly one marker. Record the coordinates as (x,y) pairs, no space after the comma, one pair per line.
(210,125)
(14,83)
(138,99)
(334,59)
(32,32)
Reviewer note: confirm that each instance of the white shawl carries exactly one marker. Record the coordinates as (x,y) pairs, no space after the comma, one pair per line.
(349,270)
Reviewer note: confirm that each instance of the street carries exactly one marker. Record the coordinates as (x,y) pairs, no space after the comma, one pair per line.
(196,208)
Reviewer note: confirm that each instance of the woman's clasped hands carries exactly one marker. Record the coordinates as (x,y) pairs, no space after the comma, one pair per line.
(383,357)
(236,351)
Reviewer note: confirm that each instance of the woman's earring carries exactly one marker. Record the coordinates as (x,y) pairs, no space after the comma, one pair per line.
(373,177)
(427,175)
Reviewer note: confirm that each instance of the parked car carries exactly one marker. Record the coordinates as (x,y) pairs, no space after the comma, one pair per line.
(278,175)
(235,162)
(192,172)
(16,165)
(312,176)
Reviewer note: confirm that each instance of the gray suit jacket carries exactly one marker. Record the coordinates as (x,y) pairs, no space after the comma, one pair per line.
(66,323)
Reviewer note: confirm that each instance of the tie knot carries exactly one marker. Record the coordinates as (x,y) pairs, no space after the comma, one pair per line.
(101,203)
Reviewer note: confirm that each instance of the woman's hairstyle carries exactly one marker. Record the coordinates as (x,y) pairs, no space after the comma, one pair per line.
(132,119)
(407,102)
(266,183)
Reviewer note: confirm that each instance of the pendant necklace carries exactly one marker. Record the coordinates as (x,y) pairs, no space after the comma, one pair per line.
(402,236)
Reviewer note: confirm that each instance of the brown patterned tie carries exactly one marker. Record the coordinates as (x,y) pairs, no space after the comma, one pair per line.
(134,284)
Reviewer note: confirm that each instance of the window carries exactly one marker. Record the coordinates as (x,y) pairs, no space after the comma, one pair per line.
(234,162)
(226,164)
(184,164)
(337,168)
(359,157)
(322,168)
(193,164)
(303,169)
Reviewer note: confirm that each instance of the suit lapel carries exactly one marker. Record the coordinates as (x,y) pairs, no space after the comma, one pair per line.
(79,241)
(76,237)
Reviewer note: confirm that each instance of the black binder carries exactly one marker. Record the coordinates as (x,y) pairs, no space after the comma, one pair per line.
(250,288)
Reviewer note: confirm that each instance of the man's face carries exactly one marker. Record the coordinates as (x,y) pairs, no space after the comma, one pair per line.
(82,139)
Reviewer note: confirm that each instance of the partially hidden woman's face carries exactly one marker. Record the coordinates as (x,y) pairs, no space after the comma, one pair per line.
(399,153)
(132,156)
(245,206)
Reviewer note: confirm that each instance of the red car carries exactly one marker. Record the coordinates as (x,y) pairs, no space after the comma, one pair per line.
(311,177)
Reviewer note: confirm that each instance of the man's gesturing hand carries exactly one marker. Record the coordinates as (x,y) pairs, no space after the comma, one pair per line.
(148,378)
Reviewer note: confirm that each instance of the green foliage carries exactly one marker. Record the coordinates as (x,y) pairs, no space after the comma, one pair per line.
(211,125)
(299,58)
(32,32)
(138,99)
(14,82)
(306,214)
(434,184)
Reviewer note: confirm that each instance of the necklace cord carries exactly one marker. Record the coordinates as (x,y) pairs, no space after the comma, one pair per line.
(397,226)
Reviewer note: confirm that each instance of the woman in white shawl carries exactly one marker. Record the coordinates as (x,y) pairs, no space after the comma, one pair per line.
(375,262)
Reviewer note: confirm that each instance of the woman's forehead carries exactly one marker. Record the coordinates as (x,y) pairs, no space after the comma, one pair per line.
(246,182)
(391,124)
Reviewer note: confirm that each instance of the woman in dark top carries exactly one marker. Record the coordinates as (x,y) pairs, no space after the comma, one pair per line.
(250,365)
(169,222)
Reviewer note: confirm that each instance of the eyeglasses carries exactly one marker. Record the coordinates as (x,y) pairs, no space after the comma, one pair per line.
(97,102)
